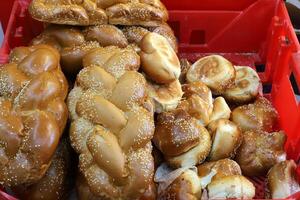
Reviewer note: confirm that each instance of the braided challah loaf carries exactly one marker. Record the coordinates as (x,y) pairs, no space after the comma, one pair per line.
(94,12)
(111,129)
(33,113)
(74,42)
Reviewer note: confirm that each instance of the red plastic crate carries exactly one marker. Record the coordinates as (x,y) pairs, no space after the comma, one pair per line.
(256,33)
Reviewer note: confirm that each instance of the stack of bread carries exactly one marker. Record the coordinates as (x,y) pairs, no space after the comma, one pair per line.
(145,125)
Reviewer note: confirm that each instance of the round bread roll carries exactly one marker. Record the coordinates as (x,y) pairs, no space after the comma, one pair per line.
(111,131)
(182,140)
(260,151)
(282,180)
(260,115)
(226,139)
(234,186)
(56,183)
(246,85)
(215,71)
(214,170)
(198,102)
(165,97)
(84,13)
(159,61)
(33,113)
(186,186)
(220,110)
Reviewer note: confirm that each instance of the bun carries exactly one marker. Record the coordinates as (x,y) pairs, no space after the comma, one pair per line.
(282,180)
(144,13)
(182,140)
(198,101)
(165,97)
(33,113)
(214,170)
(260,115)
(74,42)
(260,151)
(121,12)
(158,59)
(112,132)
(214,71)
(186,186)
(226,137)
(235,186)
(220,110)
(246,87)
(56,183)
(185,66)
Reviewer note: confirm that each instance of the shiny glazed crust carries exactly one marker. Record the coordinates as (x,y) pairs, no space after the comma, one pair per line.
(33,113)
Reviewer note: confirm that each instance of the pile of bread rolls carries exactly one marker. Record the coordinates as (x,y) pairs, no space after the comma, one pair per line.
(144,124)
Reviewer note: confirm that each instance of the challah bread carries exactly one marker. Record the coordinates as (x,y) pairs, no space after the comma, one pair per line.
(260,151)
(246,86)
(214,71)
(111,130)
(159,61)
(182,140)
(57,182)
(88,12)
(33,113)
(226,139)
(74,42)
(282,180)
(165,97)
(260,115)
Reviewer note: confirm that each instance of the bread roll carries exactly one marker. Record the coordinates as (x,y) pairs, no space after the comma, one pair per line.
(220,110)
(260,115)
(235,186)
(226,139)
(33,113)
(165,97)
(282,180)
(214,71)
(246,85)
(83,13)
(186,186)
(158,59)
(111,131)
(57,182)
(182,140)
(214,170)
(260,151)
(185,66)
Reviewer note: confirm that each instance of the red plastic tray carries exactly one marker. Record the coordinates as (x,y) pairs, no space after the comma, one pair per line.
(257,33)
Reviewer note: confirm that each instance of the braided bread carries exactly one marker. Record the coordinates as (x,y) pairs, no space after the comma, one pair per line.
(74,42)
(91,12)
(111,129)
(33,113)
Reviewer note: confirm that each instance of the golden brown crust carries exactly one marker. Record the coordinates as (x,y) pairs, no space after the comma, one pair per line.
(282,180)
(74,42)
(111,130)
(260,115)
(226,139)
(33,113)
(56,183)
(159,61)
(260,151)
(89,12)
(215,71)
